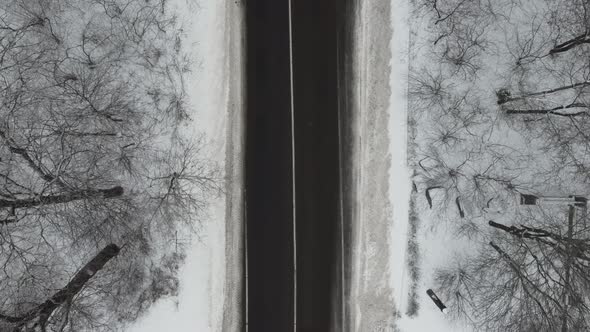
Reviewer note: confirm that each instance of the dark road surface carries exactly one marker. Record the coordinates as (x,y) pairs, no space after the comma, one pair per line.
(317,163)
(297,279)
(269,199)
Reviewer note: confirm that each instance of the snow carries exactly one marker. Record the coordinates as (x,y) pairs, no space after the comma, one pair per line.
(372,300)
(399,174)
(433,248)
(200,304)
(380,281)
(521,155)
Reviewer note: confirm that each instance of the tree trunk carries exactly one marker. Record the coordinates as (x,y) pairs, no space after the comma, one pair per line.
(544,92)
(44,310)
(553,111)
(568,264)
(427,194)
(569,44)
(500,226)
(461,212)
(524,232)
(14,148)
(77,282)
(63,198)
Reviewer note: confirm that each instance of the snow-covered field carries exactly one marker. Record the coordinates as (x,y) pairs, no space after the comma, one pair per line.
(206,301)
(431,248)
(382,178)
(498,108)
(381,285)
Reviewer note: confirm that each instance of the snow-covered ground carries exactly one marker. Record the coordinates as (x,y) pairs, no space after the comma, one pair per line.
(206,301)
(490,142)
(381,281)
(372,299)
(382,179)
(432,249)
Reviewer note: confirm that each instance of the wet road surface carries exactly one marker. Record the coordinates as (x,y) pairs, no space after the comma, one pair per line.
(297,153)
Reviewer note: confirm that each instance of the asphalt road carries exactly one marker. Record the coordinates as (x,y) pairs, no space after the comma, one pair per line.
(297,231)
(269,172)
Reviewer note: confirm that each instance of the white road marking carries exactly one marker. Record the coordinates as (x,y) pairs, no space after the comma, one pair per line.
(246,255)
(341,191)
(293,171)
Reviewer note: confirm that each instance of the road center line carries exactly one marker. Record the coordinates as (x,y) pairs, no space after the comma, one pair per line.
(293,169)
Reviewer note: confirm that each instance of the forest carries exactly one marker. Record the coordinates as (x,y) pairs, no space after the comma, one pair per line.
(97,172)
(499,146)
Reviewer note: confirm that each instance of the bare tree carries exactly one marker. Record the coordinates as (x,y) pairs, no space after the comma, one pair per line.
(476,151)
(95,177)
(558,116)
(462,167)
(533,276)
(459,33)
(571,23)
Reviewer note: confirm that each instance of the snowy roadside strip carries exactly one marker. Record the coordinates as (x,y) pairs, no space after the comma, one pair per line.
(380,216)
(400,186)
(232,318)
